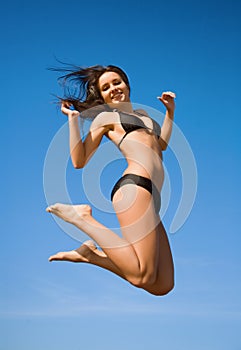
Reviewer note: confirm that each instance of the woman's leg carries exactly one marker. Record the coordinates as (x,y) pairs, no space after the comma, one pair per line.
(120,252)
(134,257)
(149,239)
(87,253)
(165,268)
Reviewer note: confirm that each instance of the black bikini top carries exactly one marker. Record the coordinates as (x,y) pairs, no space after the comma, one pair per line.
(130,122)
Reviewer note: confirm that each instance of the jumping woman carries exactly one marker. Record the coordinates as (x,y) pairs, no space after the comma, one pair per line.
(142,255)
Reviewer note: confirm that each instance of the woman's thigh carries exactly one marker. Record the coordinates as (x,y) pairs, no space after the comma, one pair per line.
(142,228)
(138,220)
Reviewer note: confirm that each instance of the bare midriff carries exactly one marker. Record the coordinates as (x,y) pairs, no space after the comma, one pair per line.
(144,157)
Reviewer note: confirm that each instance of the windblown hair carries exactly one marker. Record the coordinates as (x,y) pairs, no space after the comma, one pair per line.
(81,87)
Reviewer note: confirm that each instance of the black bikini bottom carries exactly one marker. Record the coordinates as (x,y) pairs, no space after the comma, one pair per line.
(142,182)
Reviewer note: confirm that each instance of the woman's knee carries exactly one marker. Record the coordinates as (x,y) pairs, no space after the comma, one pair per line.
(152,288)
(162,290)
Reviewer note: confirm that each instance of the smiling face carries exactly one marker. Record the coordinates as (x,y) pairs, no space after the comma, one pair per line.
(113,89)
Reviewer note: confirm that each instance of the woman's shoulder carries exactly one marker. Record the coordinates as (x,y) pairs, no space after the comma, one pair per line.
(105,118)
(142,112)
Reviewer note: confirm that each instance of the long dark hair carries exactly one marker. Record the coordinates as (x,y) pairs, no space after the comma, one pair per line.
(81,87)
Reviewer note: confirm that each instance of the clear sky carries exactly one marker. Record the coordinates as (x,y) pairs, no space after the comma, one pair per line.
(190,47)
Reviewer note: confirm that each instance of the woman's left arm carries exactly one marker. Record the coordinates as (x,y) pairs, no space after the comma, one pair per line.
(167,98)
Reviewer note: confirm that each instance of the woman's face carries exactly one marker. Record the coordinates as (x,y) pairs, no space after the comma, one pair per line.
(113,89)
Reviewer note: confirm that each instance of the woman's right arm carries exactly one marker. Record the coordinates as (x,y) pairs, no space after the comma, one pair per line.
(81,152)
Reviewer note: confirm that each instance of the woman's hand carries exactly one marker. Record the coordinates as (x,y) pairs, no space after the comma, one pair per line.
(65,108)
(167,98)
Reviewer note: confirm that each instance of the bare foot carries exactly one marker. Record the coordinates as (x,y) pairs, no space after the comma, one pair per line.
(70,213)
(82,254)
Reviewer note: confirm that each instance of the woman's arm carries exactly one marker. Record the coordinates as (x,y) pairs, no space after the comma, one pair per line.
(81,152)
(167,98)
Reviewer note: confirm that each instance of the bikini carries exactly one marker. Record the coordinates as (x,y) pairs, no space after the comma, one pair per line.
(130,123)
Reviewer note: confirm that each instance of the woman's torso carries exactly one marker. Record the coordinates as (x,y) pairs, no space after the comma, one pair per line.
(137,138)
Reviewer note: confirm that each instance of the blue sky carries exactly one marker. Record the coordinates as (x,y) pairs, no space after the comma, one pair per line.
(190,47)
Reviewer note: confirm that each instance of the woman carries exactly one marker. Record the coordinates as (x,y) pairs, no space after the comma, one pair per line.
(142,255)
